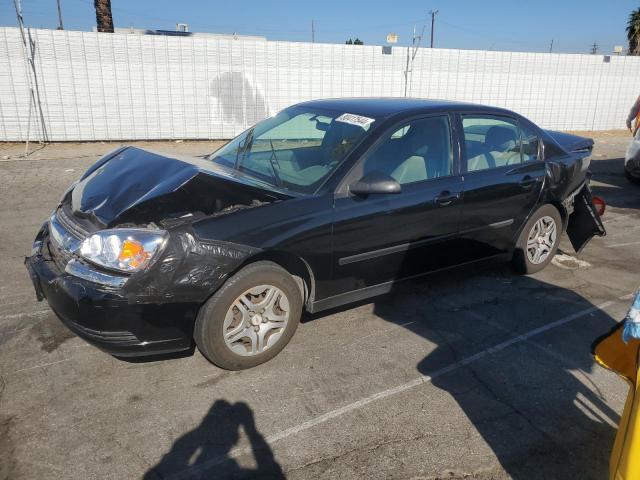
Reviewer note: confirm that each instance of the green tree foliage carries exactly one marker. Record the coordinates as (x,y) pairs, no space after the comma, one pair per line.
(633,32)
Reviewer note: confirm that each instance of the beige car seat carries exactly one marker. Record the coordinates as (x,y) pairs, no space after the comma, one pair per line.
(413,169)
(503,145)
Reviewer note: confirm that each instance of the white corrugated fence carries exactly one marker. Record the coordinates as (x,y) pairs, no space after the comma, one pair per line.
(102,86)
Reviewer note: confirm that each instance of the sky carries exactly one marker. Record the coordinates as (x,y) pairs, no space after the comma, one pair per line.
(572,25)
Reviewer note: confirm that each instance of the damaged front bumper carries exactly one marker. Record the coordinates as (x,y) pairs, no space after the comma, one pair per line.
(145,313)
(102,313)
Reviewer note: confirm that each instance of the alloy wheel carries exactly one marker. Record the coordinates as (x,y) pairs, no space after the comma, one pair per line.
(541,240)
(256,320)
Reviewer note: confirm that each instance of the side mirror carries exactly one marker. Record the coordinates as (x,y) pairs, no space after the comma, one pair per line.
(375,183)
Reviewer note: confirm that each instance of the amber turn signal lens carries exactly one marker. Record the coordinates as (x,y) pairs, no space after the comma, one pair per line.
(133,253)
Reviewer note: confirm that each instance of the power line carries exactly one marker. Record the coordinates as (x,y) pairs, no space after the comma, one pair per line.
(594,48)
(487,36)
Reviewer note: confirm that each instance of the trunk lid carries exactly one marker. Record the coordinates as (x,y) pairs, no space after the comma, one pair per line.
(572,143)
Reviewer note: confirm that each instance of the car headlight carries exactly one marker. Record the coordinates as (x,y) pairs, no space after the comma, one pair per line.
(124,249)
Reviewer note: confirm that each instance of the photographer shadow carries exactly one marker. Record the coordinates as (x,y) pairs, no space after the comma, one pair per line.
(206,451)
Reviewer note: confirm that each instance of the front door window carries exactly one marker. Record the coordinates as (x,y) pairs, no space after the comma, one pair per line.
(414,152)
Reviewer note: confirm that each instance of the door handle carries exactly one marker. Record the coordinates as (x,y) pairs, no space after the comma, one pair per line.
(528,181)
(446,198)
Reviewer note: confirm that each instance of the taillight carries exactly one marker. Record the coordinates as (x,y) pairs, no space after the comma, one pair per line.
(600,205)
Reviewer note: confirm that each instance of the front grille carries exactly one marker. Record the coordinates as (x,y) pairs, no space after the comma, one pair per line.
(65,236)
(59,256)
(68,221)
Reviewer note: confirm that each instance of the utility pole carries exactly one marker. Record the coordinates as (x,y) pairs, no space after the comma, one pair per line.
(411,54)
(313,33)
(433,22)
(551,46)
(60,27)
(30,49)
(594,48)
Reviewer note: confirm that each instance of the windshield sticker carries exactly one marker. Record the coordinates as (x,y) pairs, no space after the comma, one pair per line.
(354,119)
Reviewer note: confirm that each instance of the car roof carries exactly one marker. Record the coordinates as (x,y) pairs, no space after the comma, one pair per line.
(385,107)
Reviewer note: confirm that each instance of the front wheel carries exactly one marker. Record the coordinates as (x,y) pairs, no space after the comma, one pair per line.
(250,319)
(538,240)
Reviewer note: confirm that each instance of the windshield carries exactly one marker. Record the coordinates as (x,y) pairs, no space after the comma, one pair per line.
(297,149)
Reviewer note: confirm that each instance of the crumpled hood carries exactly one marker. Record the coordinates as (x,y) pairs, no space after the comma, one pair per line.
(138,186)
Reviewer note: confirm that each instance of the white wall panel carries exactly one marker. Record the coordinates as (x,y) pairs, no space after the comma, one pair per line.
(98,86)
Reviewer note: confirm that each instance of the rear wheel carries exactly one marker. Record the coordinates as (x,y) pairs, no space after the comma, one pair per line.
(538,240)
(250,319)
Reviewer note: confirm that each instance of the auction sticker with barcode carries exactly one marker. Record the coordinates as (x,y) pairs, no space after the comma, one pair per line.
(354,119)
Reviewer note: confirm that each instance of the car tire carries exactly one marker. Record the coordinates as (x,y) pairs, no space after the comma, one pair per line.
(631,178)
(237,312)
(534,248)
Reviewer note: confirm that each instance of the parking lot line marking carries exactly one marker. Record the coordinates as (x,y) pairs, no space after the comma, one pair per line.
(424,379)
(587,407)
(628,231)
(379,332)
(578,374)
(40,366)
(9,304)
(16,330)
(622,244)
(13,316)
(618,216)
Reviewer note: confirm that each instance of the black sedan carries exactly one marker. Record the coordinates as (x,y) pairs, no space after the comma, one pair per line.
(326,203)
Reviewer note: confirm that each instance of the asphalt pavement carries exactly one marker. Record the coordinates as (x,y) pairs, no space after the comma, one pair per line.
(474,373)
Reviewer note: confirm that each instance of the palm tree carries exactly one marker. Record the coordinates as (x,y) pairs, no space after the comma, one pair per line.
(103,15)
(633,32)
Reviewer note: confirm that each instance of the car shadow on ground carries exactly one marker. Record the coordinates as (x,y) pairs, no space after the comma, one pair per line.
(532,401)
(205,451)
(612,184)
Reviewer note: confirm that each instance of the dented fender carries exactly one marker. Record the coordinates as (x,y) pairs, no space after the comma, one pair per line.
(190,269)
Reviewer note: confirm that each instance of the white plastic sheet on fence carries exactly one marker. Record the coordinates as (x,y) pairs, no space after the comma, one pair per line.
(101,86)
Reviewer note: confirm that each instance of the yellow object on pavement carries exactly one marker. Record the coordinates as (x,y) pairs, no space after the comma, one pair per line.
(622,358)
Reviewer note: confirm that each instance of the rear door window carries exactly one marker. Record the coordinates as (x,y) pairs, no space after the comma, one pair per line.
(490,142)
(530,144)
